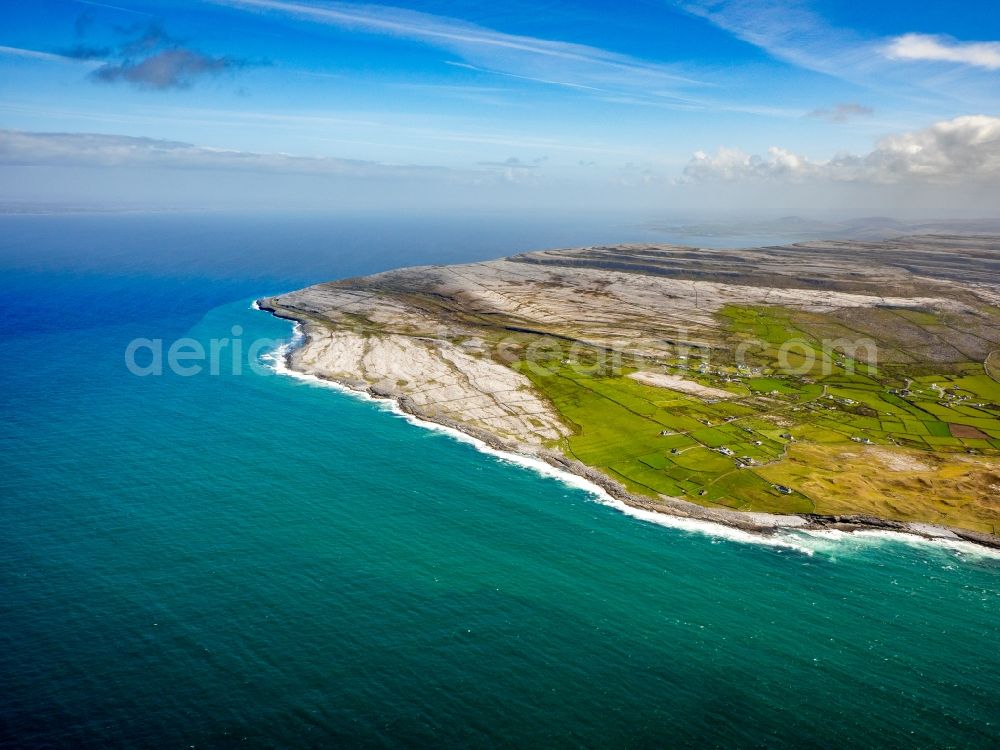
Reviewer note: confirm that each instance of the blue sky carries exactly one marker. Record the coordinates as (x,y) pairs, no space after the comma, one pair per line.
(653,104)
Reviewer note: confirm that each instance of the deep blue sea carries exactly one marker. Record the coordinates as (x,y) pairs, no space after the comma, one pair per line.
(249,560)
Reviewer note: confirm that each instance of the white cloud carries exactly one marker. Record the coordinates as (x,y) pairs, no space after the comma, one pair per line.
(962,150)
(34,54)
(791,31)
(939,48)
(733,164)
(548,61)
(787,30)
(21,148)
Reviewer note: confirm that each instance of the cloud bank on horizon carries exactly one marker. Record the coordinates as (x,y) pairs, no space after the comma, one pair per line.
(589,105)
(965,149)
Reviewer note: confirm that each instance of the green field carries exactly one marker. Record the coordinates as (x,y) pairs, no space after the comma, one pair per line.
(730,452)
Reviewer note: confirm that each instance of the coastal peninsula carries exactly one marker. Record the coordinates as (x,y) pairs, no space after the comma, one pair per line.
(830,384)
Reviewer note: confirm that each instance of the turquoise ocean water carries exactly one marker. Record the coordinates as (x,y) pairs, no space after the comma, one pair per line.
(250,560)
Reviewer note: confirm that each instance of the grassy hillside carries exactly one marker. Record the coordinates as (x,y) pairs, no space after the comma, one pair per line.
(839,435)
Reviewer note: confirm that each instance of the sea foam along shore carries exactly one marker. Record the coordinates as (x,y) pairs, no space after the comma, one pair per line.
(805,541)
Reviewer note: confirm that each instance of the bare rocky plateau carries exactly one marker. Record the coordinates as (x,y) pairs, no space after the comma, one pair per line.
(439,340)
